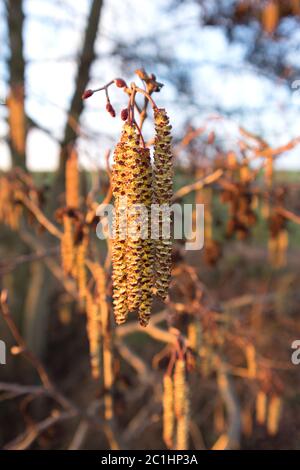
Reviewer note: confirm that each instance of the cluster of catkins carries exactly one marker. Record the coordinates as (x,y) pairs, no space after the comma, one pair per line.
(141,266)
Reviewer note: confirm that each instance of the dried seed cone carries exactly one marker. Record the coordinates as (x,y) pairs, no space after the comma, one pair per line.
(162,189)
(168,410)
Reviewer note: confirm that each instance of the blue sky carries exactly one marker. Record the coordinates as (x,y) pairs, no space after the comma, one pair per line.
(220,79)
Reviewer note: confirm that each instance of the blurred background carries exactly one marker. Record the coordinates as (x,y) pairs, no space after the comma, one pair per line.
(231,79)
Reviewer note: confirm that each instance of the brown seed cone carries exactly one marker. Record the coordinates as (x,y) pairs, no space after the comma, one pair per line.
(162,188)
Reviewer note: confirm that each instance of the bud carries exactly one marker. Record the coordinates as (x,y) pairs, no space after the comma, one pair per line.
(87,94)
(110,109)
(120,83)
(124,114)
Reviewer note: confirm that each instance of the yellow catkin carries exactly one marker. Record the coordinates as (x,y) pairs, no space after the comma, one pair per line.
(192,334)
(72,181)
(162,188)
(81,274)
(251,361)
(132,249)
(181,405)
(67,245)
(168,411)
(270,16)
(144,310)
(94,333)
(16,117)
(274,413)
(119,187)
(261,407)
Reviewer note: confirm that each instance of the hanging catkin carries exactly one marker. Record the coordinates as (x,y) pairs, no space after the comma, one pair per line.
(132,246)
(72,181)
(181,405)
(168,410)
(274,412)
(162,188)
(68,250)
(119,187)
(144,310)
(81,252)
(261,407)
(94,333)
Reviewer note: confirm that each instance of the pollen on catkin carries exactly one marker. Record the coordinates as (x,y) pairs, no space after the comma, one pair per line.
(162,194)
(131,245)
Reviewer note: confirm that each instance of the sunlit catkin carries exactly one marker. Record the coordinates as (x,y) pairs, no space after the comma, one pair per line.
(67,245)
(162,189)
(261,407)
(72,181)
(132,246)
(68,249)
(94,333)
(274,413)
(81,275)
(168,410)
(146,194)
(181,405)
(119,187)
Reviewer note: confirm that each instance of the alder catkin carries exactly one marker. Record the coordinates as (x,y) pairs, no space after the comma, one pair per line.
(67,245)
(168,410)
(181,405)
(146,195)
(94,333)
(119,180)
(132,245)
(72,181)
(274,413)
(162,189)
(81,275)
(261,407)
